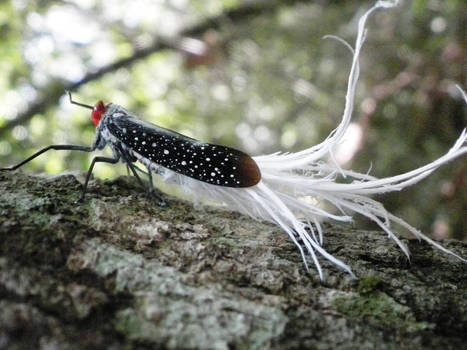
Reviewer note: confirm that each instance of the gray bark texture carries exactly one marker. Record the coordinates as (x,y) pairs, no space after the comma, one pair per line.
(119,272)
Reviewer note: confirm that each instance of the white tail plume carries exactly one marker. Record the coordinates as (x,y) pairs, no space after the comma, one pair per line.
(293,182)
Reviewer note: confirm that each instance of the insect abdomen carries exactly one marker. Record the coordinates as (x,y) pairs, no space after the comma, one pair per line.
(213,164)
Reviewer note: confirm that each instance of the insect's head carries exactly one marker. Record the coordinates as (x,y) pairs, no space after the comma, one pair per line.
(97,111)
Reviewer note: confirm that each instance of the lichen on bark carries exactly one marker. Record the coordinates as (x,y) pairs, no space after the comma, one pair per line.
(120,272)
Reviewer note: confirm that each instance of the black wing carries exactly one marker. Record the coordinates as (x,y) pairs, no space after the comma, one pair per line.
(214,164)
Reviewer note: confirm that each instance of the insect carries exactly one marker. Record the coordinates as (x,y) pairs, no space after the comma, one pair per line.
(275,187)
(132,139)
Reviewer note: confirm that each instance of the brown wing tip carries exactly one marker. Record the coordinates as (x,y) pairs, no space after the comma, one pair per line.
(250,173)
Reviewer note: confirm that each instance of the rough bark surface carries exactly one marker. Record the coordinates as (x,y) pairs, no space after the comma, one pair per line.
(118,272)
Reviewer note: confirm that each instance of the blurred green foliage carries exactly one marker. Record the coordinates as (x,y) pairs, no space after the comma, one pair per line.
(267,82)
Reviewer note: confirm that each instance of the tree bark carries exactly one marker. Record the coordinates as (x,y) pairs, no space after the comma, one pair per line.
(118,272)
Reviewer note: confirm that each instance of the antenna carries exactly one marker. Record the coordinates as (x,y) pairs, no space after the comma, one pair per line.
(77,103)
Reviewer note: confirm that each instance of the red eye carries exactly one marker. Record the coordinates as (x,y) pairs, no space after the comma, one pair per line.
(98,111)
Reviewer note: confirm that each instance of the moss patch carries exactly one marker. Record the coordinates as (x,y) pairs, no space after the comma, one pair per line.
(369,284)
(381,311)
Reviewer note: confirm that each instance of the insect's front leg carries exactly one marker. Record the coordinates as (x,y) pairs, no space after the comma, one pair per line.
(88,175)
(67,148)
(48,148)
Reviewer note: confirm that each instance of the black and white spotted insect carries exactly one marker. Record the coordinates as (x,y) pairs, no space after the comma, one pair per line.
(132,139)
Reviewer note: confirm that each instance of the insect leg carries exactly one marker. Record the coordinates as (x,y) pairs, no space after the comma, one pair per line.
(148,173)
(88,175)
(152,191)
(136,168)
(132,168)
(129,162)
(152,194)
(55,147)
(141,171)
(151,186)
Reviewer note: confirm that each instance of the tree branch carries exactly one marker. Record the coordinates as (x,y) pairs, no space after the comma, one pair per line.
(55,89)
(117,271)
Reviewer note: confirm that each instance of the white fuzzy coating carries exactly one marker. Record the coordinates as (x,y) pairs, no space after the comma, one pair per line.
(292,183)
